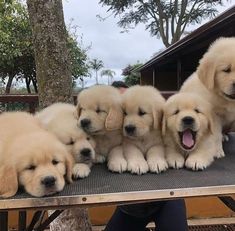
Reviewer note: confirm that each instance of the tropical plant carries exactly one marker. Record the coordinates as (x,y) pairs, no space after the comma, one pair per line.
(16,49)
(96,65)
(131,75)
(79,60)
(109,73)
(17,54)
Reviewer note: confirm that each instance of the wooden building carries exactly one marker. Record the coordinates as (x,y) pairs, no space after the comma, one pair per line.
(168,70)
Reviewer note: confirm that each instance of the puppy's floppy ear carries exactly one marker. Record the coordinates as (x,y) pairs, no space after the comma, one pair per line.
(163,124)
(206,71)
(157,117)
(45,120)
(75,114)
(213,125)
(69,167)
(78,110)
(8,181)
(114,119)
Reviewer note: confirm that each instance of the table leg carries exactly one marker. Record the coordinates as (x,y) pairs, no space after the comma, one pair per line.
(35,219)
(22,220)
(4,221)
(47,222)
(228,201)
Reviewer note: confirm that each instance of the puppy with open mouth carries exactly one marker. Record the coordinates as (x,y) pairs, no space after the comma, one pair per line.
(191,131)
(143,145)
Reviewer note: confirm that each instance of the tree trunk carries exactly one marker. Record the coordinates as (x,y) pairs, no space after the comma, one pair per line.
(27,82)
(34,81)
(71,220)
(96,78)
(9,83)
(82,82)
(51,55)
(53,75)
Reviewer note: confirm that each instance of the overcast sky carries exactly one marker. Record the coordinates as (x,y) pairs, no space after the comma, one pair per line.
(108,44)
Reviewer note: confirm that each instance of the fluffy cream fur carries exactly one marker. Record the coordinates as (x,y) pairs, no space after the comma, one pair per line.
(143,145)
(30,157)
(190,132)
(61,119)
(214,80)
(100,115)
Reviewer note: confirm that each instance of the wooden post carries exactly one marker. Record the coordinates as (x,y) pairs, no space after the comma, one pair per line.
(154,77)
(179,73)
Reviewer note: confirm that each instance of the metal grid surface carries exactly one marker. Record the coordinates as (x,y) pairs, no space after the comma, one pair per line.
(103,186)
(212,228)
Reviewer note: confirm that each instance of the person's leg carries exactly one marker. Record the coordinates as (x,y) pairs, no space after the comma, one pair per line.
(172,216)
(121,221)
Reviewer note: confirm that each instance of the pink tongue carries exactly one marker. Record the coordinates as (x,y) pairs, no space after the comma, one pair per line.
(188,139)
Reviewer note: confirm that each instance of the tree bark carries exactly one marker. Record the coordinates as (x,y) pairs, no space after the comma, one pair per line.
(54,78)
(96,78)
(71,220)
(34,81)
(27,82)
(51,55)
(9,83)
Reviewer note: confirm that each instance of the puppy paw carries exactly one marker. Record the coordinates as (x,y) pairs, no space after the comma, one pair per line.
(225,137)
(220,154)
(157,165)
(137,167)
(176,161)
(117,165)
(197,162)
(99,159)
(81,171)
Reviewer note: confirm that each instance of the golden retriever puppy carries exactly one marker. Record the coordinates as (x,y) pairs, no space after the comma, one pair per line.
(61,119)
(190,132)
(214,80)
(100,115)
(143,145)
(30,157)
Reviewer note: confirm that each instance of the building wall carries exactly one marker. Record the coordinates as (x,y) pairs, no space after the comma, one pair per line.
(164,80)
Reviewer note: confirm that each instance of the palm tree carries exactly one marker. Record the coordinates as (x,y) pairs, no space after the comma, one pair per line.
(109,73)
(96,65)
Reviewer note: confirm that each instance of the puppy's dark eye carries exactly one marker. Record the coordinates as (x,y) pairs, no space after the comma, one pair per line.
(124,112)
(88,138)
(55,162)
(141,112)
(227,69)
(70,143)
(176,112)
(98,110)
(196,110)
(31,167)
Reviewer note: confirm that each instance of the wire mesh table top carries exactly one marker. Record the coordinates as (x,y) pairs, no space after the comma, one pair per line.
(104,187)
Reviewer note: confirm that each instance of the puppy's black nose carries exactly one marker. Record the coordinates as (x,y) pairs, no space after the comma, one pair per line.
(85,123)
(233,87)
(188,120)
(48,181)
(86,152)
(130,129)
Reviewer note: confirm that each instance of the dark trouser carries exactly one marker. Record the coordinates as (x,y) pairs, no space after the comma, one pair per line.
(168,216)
